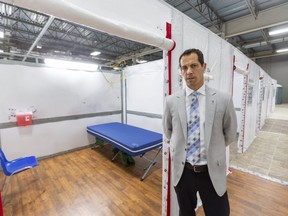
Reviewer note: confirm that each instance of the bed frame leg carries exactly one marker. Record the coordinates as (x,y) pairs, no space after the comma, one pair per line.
(152,163)
(115,155)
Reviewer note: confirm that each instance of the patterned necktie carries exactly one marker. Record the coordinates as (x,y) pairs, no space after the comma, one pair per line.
(193,152)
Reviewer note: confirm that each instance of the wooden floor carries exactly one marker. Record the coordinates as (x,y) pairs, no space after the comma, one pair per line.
(251,195)
(86,182)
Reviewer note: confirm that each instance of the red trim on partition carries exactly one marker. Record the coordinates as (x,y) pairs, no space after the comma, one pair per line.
(169,36)
(247,67)
(1,205)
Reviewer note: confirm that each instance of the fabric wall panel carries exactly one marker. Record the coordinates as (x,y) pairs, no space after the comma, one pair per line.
(154,124)
(144,84)
(225,82)
(57,92)
(251,106)
(177,35)
(51,138)
(213,60)
(195,36)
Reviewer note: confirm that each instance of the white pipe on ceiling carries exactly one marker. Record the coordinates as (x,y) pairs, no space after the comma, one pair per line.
(68,11)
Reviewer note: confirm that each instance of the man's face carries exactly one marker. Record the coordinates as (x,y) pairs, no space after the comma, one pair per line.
(192,71)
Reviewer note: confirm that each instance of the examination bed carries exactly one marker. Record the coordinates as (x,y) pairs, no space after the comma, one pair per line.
(133,141)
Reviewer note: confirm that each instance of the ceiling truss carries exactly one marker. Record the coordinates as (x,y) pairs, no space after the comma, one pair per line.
(30,36)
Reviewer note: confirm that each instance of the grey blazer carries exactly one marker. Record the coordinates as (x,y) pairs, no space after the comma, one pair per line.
(220,130)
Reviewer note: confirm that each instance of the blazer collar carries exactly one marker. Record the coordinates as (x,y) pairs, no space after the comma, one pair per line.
(210,91)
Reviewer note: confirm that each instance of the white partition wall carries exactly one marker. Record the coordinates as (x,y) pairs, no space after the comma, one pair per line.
(248,116)
(273,95)
(213,60)
(53,92)
(240,89)
(251,105)
(144,87)
(227,73)
(50,138)
(261,100)
(237,97)
(264,96)
(63,102)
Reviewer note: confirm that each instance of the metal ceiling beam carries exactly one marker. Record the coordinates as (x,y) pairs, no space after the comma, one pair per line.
(201,7)
(51,18)
(86,17)
(266,39)
(268,18)
(266,54)
(252,8)
(143,52)
(265,43)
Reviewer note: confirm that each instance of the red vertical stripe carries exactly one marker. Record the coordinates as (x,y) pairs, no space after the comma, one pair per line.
(169,36)
(1,205)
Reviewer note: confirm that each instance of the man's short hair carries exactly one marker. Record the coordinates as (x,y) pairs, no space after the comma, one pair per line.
(190,51)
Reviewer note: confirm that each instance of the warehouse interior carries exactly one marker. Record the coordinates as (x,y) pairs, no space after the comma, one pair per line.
(29,36)
(32,36)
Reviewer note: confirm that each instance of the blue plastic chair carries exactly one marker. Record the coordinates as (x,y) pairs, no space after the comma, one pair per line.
(13,167)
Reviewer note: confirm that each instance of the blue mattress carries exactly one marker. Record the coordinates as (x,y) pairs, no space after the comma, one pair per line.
(127,138)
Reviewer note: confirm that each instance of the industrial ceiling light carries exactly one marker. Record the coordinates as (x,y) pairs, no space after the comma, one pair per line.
(279,31)
(95,53)
(70,65)
(141,61)
(116,68)
(282,50)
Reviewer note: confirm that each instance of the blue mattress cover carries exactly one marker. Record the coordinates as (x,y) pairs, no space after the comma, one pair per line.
(127,138)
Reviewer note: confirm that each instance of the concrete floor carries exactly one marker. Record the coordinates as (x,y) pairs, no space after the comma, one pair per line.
(267,156)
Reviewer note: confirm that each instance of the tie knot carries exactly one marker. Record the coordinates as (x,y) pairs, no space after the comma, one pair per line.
(195,94)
